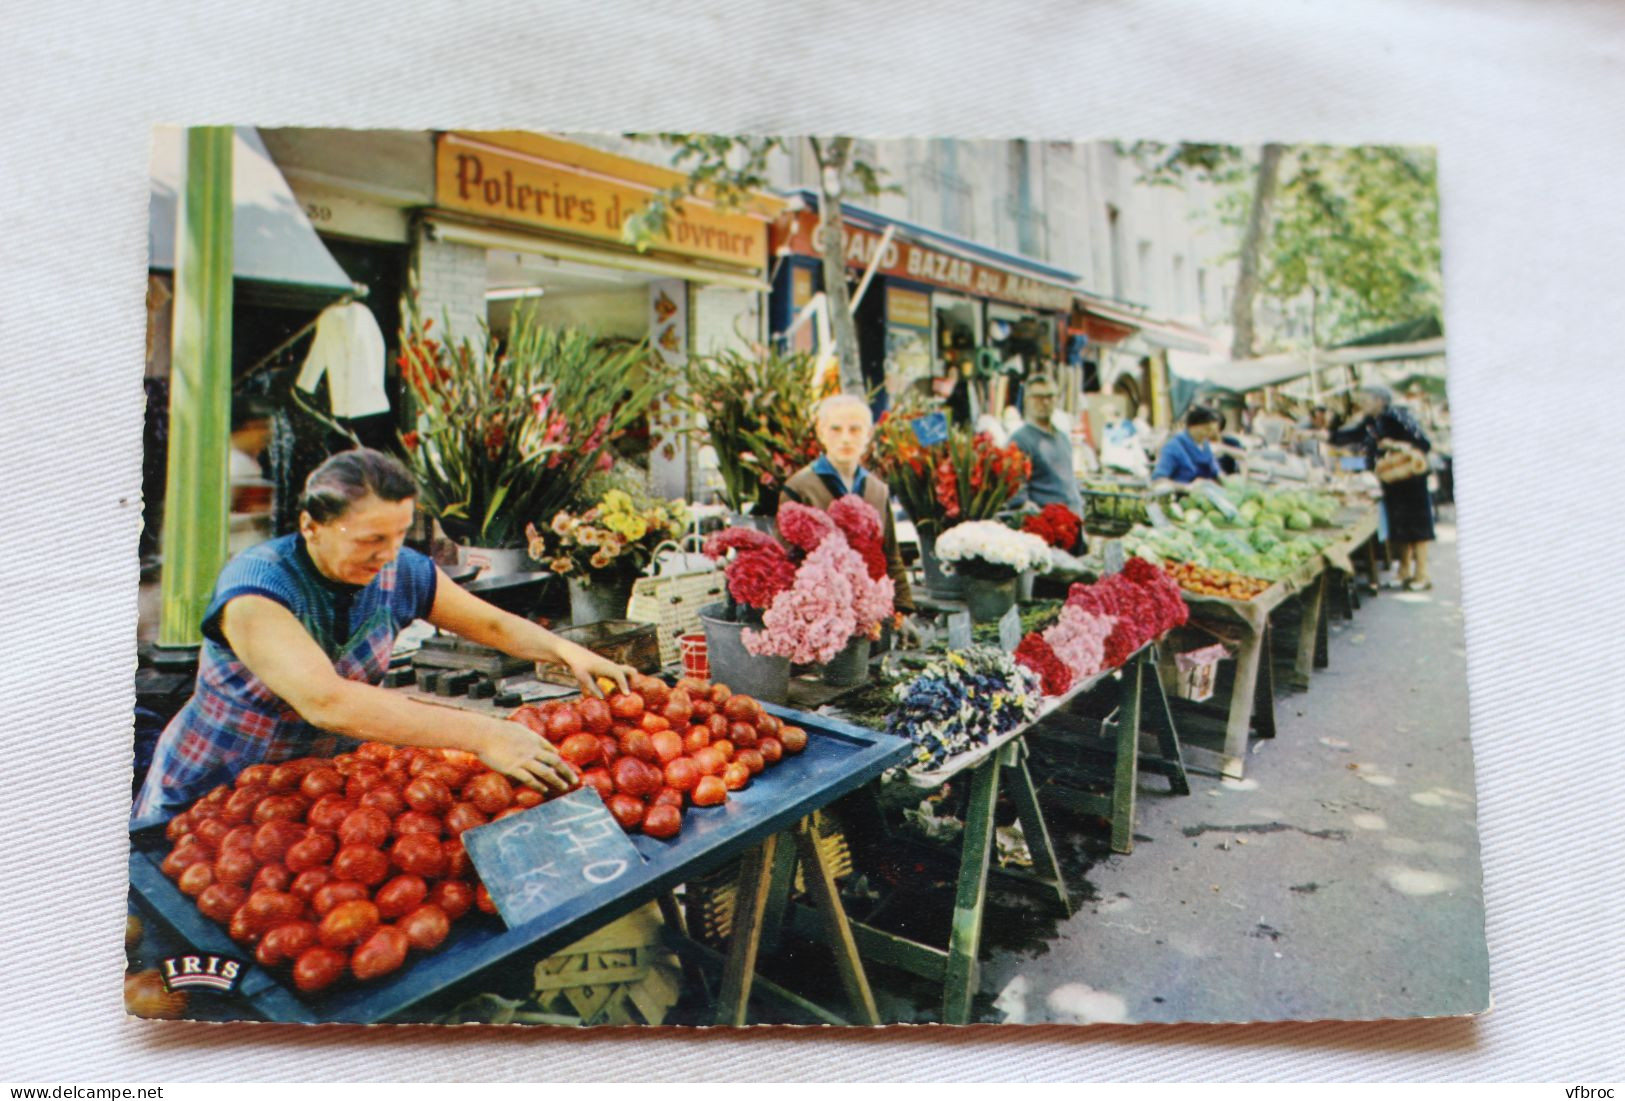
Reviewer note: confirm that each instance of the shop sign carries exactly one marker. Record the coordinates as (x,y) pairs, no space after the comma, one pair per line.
(907,260)
(488,180)
(906,307)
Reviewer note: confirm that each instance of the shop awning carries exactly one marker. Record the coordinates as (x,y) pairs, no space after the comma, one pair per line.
(274,244)
(1158,332)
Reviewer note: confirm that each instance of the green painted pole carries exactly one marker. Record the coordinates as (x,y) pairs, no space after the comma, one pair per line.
(195,502)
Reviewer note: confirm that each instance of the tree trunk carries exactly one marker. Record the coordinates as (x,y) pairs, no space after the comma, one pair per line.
(831,156)
(1252,246)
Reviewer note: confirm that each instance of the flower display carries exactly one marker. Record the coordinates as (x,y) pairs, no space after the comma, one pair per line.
(509,429)
(1056,525)
(1035,654)
(965,477)
(961,701)
(983,548)
(759,570)
(1078,639)
(611,541)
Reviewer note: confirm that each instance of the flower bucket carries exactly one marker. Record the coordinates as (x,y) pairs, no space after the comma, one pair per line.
(766,678)
(1024,586)
(493,561)
(850,667)
(695,662)
(989,600)
(943,586)
(600,601)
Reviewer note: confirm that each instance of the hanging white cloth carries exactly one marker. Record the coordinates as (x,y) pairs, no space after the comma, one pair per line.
(349,349)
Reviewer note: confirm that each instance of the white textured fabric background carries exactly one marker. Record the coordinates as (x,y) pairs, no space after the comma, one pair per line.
(1523,100)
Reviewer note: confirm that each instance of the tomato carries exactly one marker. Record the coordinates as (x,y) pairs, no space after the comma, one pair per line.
(483,900)
(596,717)
(709,761)
(417,821)
(291,806)
(273,839)
(694,686)
(696,739)
(235,866)
(742,709)
(626,706)
(794,739)
(256,776)
(328,811)
(562,724)
(272,877)
(217,796)
(329,895)
(453,776)
(682,774)
(464,816)
(703,709)
(718,722)
(751,759)
(179,826)
(531,716)
(425,927)
(417,853)
(454,896)
(736,777)
(489,791)
(419,760)
(361,864)
(364,826)
(653,723)
(600,781)
(307,883)
(241,928)
(771,749)
(345,763)
(428,795)
(240,806)
(628,811)
(668,746)
(635,778)
(318,968)
(376,752)
(266,909)
(654,691)
(400,896)
(385,798)
(286,777)
(196,878)
(455,857)
(314,851)
(220,900)
(526,797)
(363,779)
(580,750)
(742,735)
(663,822)
(679,709)
(710,792)
(725,749)
(285,942)
(319,782)
(608,749)
(768,726)
(669,797)
(211,831)
(348,923)
(640,744)
(720,694)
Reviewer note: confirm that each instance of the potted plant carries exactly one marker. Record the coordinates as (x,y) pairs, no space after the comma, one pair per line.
(507,430)
(990,556)
(602,550)
(757,409)
(957,478)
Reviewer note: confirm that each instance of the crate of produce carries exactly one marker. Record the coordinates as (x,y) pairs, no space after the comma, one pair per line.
(1113,508)
(634,644)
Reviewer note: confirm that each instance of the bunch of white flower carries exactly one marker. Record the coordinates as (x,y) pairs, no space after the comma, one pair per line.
(985,546)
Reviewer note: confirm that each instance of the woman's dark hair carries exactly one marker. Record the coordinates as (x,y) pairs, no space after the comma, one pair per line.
(347,477)
(1202,414)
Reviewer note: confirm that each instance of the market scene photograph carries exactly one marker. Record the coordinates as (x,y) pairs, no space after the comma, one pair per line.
(690,579)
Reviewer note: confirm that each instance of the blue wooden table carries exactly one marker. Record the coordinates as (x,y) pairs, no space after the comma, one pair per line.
(839,758)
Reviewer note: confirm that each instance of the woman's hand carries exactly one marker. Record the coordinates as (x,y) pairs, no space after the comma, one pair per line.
(588,667)
(522,755)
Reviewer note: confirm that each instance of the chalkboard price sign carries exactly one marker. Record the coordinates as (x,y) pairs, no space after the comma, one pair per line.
(537,860)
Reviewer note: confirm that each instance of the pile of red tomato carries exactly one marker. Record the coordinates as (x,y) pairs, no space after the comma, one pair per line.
(341,866)
(656,750)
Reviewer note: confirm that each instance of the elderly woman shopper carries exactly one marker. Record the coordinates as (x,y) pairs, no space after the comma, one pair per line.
(1188,456)
(1409,508)
(297,638)
(845,428)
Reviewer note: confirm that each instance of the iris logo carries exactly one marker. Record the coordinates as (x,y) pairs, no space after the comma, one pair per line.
(218,973)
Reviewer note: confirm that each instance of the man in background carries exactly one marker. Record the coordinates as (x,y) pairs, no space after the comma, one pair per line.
(1050,449)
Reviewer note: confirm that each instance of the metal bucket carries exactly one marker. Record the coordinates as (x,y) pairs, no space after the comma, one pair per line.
(766,678)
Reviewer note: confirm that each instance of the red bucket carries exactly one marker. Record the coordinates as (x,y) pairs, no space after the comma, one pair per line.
(695,662)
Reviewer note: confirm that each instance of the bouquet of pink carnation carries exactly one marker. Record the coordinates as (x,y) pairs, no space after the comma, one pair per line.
(833,597)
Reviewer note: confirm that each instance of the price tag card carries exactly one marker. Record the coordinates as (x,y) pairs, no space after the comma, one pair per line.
(1010,629)
(959,631)
(541,858)
(1114,556)
(930,429)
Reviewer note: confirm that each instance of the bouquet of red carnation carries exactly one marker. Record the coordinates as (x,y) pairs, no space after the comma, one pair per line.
(1035,654)
(860,523)
(759,570)
(1145,601)
(1057,525)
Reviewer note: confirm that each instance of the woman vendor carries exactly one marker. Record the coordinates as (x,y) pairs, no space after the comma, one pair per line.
(845,426)
(1407,503)
(297,638)
(1188,456)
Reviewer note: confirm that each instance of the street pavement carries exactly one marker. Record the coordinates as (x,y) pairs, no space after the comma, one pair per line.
(1340,879)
